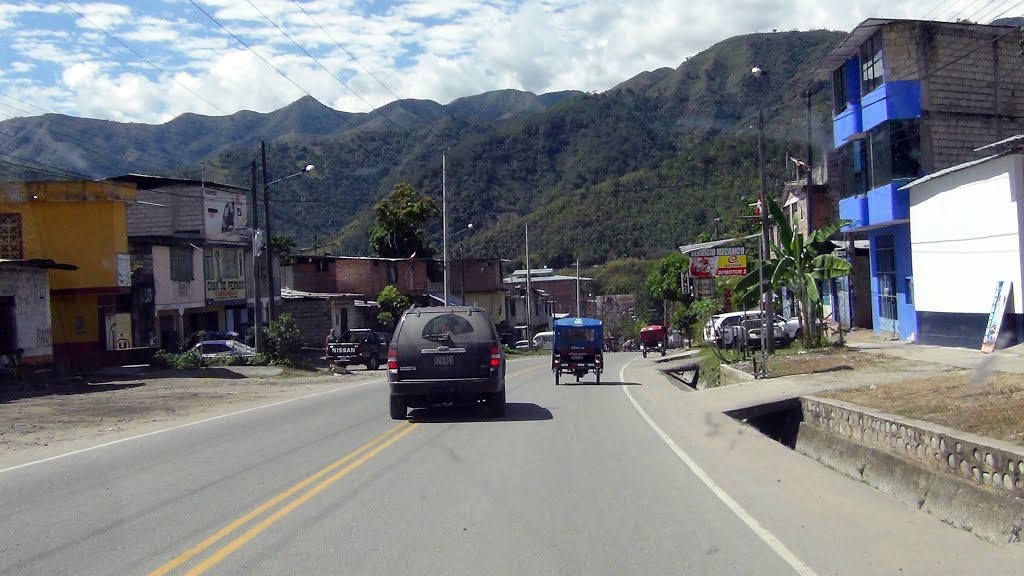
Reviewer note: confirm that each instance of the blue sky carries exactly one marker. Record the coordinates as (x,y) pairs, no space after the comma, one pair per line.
(58,57)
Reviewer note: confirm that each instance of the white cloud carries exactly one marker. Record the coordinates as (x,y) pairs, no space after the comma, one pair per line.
(103,15)
(433,49)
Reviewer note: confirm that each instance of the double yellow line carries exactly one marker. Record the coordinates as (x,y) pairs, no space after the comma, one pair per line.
(347,464)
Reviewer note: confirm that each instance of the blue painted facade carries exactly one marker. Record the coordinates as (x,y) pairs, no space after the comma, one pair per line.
(900,100)
(901,297)
(848,122)
(882,211)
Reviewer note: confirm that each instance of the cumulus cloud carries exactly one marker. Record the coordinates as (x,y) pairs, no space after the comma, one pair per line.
(432,49)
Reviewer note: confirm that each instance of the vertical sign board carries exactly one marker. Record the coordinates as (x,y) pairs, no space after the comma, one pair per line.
(995,316)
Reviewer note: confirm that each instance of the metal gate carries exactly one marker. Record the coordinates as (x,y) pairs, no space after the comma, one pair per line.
(885,273)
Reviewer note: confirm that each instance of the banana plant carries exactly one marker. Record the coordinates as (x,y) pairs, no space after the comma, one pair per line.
(797,263)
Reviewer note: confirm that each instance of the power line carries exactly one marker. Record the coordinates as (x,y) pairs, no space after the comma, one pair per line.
(975,13)
(985,10)
(27,103)
(143,58)
(265,61)
(935,10)
(354,59)
(1000,15)
(314,59)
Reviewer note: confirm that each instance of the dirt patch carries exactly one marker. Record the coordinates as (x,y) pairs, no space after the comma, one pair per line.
(87,414)
(838,360)
(994,408)
(792,362)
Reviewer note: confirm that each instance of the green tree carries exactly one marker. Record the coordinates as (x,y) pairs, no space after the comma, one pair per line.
(665,282)
(392,304)
(284,247)
(798,264)
(398,224)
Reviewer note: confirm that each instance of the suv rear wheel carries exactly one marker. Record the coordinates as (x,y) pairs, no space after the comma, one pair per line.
(398,408)
(496,404)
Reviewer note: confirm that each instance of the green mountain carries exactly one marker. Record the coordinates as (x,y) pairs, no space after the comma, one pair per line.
(631,172)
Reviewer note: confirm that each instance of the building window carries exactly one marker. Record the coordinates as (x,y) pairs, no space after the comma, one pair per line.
(181,264)
(871,73)
(839,101)
(895,151)
(230,264)
(10,236)
(853,173)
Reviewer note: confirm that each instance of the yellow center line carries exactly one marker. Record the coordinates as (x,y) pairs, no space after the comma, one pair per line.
(237,543)
(220,534)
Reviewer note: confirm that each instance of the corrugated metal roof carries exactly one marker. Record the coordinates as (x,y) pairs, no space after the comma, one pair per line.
(37,263)
(146,181)
(291,294)
(534,280)
(1012,141)
(956,168)
(688,248)
(850,46)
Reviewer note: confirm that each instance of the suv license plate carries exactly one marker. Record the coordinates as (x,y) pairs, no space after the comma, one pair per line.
(444,360)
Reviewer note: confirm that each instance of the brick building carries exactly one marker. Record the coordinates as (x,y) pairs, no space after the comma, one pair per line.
(560,289)
(910,98)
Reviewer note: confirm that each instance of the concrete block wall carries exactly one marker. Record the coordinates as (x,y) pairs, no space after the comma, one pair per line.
(983,461)
(313,317)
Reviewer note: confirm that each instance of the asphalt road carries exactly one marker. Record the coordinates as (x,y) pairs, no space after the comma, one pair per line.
(573,481)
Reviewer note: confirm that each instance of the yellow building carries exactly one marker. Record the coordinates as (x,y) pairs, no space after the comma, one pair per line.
(84,224)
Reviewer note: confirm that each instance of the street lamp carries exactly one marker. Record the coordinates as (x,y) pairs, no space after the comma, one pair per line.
(266,214)
(766,301)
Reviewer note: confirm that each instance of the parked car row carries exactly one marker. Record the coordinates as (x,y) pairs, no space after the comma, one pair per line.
(745,328)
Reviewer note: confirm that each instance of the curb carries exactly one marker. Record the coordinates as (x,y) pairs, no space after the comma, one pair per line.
(737,374)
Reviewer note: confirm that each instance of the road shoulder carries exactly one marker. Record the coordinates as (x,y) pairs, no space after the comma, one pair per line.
(831,522)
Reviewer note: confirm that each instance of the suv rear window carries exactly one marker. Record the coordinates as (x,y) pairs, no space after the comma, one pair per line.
(457,326)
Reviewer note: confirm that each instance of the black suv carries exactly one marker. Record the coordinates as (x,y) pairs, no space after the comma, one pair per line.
(446,355)
(359,346)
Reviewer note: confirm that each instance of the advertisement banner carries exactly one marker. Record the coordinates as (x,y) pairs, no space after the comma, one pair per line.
(225,274)
(225,213)
(995,316)
(718,262)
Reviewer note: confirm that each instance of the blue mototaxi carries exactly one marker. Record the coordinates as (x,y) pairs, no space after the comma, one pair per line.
(577,348)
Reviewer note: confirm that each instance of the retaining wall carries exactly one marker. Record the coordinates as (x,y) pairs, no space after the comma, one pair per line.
(972,482)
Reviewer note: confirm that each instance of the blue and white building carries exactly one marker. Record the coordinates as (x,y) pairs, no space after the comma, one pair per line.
(911,98)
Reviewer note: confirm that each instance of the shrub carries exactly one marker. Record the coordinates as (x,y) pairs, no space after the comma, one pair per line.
(282,340)
(188,360)
(162,359)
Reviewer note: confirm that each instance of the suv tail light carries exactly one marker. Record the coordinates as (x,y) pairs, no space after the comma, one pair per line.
(495,356)
(393,360)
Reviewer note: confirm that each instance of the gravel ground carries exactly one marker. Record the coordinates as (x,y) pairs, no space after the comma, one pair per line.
(37,423)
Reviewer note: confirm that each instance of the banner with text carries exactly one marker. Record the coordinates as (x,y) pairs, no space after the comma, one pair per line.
(722,261)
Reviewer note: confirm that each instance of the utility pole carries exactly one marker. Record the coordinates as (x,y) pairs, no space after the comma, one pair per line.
(529,294)
(810,152)
(767,300)
(269,245)
(462,270)
(578,315)
(257,304)
(444,226)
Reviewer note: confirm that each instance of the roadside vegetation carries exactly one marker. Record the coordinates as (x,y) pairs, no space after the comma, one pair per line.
(280,341)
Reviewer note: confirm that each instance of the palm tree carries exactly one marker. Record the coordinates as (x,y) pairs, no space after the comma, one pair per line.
(798,264)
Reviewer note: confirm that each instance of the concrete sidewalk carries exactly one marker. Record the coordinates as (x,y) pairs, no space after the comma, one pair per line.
(1008,360)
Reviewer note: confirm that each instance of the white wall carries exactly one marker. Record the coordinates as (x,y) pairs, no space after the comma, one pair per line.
(30,288)
(965,235)
(177,295)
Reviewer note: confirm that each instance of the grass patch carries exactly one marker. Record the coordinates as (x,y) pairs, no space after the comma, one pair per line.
(960,400)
